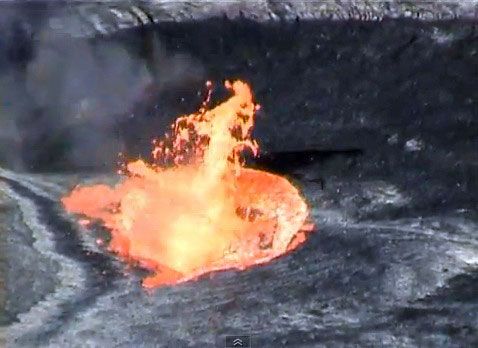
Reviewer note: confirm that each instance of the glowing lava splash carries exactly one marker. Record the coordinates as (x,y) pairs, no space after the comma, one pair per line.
(195,208)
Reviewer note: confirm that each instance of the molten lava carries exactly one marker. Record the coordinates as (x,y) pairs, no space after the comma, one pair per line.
(195,208)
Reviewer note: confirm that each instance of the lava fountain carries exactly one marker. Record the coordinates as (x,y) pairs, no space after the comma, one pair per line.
(195,207)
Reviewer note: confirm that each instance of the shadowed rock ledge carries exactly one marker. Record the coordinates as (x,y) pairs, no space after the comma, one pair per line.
(84,19)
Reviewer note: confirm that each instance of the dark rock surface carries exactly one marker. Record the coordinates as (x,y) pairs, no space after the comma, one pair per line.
(87,19)
(358,86)
(29,275)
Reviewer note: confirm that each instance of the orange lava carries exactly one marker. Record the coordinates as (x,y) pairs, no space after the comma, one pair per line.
(195,208)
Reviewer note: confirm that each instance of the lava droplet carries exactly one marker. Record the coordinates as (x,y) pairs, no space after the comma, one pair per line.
(195,208)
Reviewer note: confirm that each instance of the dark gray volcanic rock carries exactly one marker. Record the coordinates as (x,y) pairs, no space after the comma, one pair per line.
(86,19)
(402,84)
(29,274)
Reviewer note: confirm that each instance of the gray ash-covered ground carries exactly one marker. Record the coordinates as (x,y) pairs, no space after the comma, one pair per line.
(375,122)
